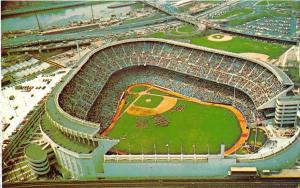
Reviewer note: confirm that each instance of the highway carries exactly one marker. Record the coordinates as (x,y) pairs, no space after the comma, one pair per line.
(213,183)
(92,33)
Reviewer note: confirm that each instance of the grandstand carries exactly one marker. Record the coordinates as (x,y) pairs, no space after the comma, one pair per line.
(84,103)
(260,82)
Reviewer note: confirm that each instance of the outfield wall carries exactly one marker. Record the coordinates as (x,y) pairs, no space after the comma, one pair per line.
(210,167)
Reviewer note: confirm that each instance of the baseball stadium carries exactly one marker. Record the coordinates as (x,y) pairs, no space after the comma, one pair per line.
(150,93)
(159,103)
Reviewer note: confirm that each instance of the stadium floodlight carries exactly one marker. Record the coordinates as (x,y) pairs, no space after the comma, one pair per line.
(255,138)
(181,148)
(167,145)
(142,149)
(93,19)
(207,149)
(129,148)
(78,49)
(194,146)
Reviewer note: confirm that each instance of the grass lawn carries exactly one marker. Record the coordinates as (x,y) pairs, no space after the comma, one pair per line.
(235,12)
(242,44)
(154,101)
(199,125)
(237,44)
(158,35)
(187,28)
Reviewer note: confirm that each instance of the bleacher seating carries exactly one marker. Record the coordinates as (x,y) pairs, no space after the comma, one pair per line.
(93,93)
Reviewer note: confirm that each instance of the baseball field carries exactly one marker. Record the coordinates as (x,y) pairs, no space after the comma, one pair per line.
(155,120)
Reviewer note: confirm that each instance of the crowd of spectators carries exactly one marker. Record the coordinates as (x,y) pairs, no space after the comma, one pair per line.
(94,92)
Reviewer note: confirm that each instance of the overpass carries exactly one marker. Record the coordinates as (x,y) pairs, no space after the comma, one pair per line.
(35,39)
(173,12)
(198,20)
(201,20)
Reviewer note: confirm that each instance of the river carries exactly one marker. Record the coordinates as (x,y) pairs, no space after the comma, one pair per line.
(62,17)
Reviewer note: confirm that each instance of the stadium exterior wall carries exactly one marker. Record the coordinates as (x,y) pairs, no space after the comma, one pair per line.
(91,165)
(281,76)
(81,166)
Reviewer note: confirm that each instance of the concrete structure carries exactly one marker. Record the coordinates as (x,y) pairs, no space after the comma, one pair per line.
(222,150)
(37,159)
(76,141)
(286,110)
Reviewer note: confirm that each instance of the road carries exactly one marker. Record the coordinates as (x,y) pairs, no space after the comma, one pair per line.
(39,39)
(92,33)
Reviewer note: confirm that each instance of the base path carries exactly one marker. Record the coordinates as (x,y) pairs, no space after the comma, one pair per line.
(168,103)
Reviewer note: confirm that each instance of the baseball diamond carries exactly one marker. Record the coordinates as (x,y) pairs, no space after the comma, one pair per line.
(185,90)
(191,129)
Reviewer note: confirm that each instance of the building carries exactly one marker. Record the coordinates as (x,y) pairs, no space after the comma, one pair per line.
(286,111)
(37,159)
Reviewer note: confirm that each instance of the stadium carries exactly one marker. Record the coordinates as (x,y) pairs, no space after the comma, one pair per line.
(138,99)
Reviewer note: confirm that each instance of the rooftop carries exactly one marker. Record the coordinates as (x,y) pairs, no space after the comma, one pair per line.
(35,152)
(295,97)
(62,140)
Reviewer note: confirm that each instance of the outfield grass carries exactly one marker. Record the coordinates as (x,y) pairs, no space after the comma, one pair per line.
(138,89)
(155,101)
(159,92)
(199,125)
(235,12)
